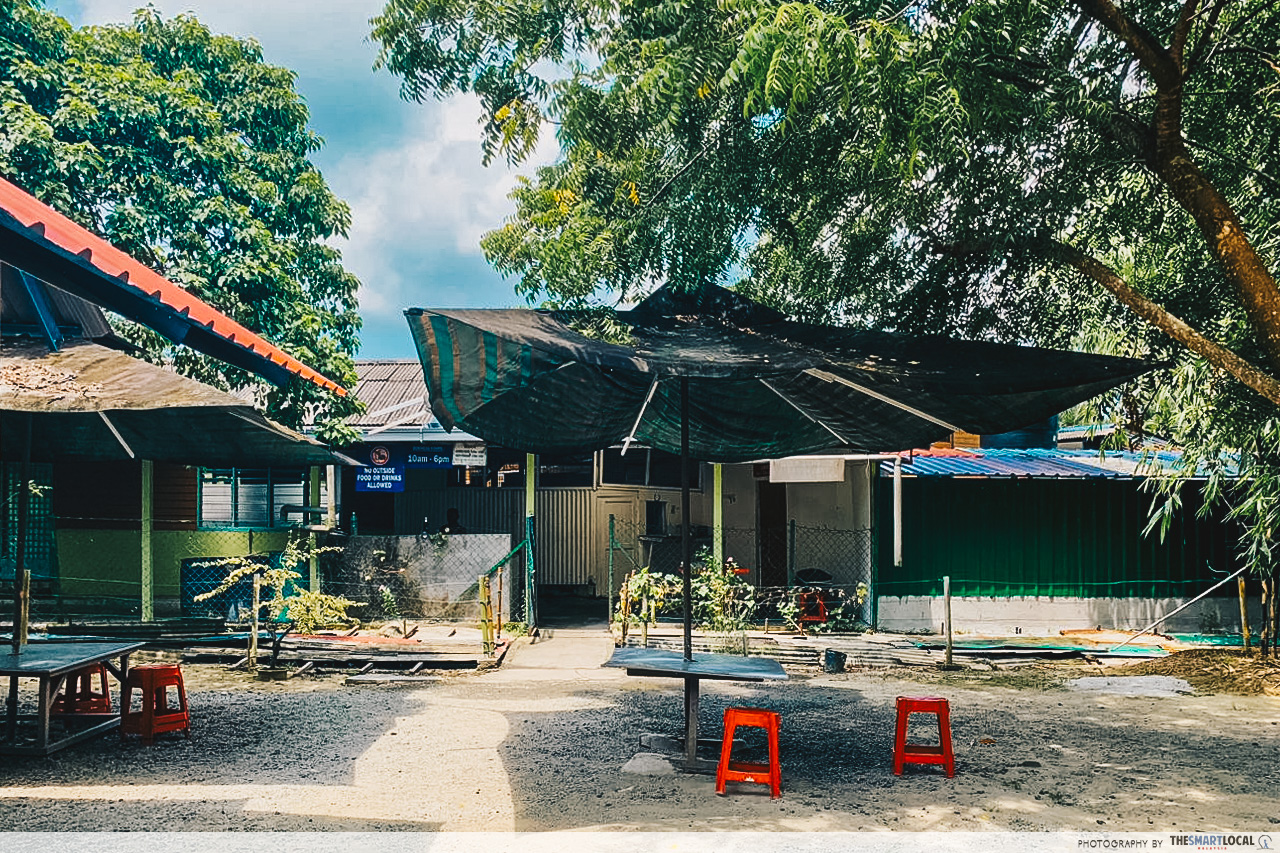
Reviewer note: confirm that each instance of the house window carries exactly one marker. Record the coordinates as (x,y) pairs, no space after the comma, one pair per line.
(252,497)
(644,466)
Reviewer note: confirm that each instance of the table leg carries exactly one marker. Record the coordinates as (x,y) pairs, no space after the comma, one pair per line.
(11,727)
(43,711)
(691,721)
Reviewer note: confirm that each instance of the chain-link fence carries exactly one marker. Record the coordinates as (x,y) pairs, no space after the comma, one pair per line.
(820,575)
(93,567)
(430,576)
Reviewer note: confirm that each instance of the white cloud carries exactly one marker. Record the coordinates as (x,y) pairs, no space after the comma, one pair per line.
(428,196)
(419,196)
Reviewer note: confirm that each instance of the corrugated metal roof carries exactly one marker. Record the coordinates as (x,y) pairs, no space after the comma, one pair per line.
(122,284)
(1069,464)
(396,407)
(389,388)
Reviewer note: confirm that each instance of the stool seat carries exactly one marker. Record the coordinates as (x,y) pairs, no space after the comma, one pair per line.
(738,771)
(152,682)
(79,697)
(916,753)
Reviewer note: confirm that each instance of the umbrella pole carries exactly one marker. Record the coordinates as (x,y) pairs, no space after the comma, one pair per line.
(20,587)
(686,557)
(686,541)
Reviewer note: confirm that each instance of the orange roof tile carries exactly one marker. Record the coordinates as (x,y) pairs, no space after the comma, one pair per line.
(110,261)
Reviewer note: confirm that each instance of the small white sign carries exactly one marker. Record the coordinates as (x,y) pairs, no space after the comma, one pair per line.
(799,469)
(470,455)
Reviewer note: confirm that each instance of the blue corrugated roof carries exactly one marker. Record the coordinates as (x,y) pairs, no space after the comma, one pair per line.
(1072,464)
(1040,463)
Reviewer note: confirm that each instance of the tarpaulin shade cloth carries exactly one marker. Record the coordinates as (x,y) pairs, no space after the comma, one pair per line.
(88,402)
(759,385)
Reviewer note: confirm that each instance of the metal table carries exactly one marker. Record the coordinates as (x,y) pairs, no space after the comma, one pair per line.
(49,664)
(661,663)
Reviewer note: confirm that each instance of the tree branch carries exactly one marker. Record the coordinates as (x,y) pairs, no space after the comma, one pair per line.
(1151,55)
(1200,51)
(1181,31)
(1176,328)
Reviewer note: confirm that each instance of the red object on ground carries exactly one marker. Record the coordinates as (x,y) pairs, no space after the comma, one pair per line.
(131,273)
(80,697)
(912,753)
(763,774)
(152,682)
(812,607)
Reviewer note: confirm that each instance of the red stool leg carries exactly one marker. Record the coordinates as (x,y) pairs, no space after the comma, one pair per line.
(726,746)
(900,737)
(944,739)
(182,705)
(775,765)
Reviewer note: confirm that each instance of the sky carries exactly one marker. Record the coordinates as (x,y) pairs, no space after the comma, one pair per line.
(420,198)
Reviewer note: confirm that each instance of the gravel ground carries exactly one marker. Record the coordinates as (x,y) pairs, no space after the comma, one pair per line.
(539,745)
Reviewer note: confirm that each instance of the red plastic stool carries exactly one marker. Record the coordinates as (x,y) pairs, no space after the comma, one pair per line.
(812,607)
(152,682)
(734,771)
(79,696)
(914,753)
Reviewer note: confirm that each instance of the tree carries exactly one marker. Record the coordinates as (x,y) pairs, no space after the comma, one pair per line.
(187,151)
(1012,169)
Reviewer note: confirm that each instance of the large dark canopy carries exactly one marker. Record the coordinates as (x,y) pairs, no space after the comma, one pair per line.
(760,385)
(87,402)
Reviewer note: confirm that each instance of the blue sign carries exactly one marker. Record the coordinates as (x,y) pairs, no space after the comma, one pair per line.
(430,456)
(389,478)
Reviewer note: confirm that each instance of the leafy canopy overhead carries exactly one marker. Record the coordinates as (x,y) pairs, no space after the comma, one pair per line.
(186,150)
(1025,170)
(975,167)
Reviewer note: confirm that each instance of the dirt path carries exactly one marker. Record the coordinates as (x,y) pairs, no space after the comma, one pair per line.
(540,744)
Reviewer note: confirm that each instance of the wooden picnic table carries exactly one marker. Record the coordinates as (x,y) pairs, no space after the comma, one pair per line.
(49,664)
(662,663)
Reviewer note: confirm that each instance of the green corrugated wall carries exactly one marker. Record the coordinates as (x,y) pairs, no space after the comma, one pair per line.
(1076,538)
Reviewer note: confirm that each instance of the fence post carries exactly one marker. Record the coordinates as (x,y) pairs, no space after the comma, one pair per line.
(253,622)
(486,617)
(791,550)
(608,604)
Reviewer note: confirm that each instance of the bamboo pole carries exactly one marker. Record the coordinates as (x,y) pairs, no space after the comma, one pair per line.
(1244,613)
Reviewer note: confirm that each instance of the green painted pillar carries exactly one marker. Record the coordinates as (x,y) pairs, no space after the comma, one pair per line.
(530,506)
(313,499)
(717,512)
(148,583)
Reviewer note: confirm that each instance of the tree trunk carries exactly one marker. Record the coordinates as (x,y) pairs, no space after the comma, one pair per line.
(1249,276)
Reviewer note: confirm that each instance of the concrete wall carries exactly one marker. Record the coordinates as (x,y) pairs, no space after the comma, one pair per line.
(1048,616)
